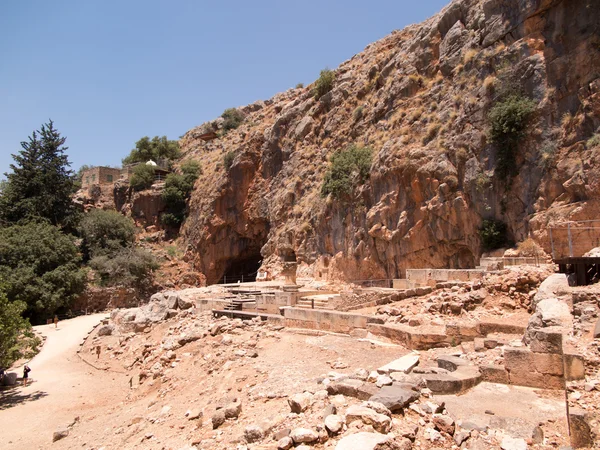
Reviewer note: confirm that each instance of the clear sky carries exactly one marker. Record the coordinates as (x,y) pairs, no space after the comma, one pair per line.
(109,72)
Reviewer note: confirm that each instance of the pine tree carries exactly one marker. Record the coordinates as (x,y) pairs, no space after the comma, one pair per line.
(41,183)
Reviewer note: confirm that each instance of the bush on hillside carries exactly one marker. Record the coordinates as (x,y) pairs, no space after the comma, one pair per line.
(105,232)
(594,141)
(233,118)
(348,169)
(228,159)
(508,124)
(131,267)
(324,83)
(40,266)
(142,177)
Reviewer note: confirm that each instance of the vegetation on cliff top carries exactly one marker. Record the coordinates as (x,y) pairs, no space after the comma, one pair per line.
(157,148)
(324,83)
(142,177)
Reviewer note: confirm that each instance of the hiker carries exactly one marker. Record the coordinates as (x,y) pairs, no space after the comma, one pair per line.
(98,350)
(55,321)
(26,371)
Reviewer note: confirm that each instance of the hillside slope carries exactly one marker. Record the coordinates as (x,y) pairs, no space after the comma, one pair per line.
(420,99)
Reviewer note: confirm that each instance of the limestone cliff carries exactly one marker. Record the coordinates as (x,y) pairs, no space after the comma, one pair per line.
(420,98)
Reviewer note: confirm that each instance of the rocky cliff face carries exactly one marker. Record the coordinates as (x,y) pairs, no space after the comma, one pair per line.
(420,98)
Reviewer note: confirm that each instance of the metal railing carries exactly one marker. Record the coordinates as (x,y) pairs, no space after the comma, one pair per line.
(574,239)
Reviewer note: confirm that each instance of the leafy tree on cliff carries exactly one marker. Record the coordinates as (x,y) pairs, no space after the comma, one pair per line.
(178,188)
(16,336)
(40,266)
(147,149)
(41,182)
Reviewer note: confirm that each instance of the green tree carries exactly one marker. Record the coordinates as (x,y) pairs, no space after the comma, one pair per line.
(130,267)
(40,266)
(178,188)
(105,232)
(16,336)
(41,182)
(348,169)
(508,124)
(142,177)
(147,149)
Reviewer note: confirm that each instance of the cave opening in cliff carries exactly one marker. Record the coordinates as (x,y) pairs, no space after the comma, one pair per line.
(242,269)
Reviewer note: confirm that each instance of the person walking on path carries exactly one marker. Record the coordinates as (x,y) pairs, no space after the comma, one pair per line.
(26,371)
(55,321)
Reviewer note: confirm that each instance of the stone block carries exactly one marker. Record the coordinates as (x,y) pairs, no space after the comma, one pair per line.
(548,363)
(581,434)
(458,381)
(547,340)
(403,364)
(352,388)
(494,374)
(451,363)
(574,367)
(530,378)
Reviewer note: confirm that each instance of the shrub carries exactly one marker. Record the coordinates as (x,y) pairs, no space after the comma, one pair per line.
(508,124)
(40,266)
(233,118)
(178,188)
(16,336)
(594,141)
(324,83)
(493,234)
(105,232)
(147,149)
(530,248)
(142,177)
(228,159)
(348,169)
(299,85)
(469,55)
(547,156)
(130,267)
(358,113)
(489,84)
(432,132)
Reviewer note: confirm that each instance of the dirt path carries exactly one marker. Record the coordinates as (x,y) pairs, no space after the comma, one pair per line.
(62,388)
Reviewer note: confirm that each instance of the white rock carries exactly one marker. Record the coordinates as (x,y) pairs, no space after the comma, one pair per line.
(509,443)
(361,441)
(404,364)
(334,423)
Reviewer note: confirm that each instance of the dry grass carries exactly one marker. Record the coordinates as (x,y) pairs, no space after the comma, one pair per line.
(469,56)
(489,84)
(530,248)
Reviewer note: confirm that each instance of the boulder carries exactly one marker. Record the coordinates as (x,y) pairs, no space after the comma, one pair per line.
(394,398)
(105,330)
(509,443)
(170,300)
(218,419)
(10,379)
(285,443)
(184,303)
(233,410)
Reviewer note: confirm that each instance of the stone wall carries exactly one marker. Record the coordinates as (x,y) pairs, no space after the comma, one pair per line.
(100,299)
(338,322)
(100,175)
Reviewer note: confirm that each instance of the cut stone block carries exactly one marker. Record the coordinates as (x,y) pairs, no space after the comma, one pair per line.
(581,435)
(352,388)
(460,380)
(574,367)
(494,374)
(404,364)
(395,398)
(546,340)
(451,363)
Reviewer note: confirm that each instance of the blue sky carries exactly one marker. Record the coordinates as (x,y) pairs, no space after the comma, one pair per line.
(109,72)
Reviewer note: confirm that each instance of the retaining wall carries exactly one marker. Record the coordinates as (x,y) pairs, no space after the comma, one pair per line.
(339,322)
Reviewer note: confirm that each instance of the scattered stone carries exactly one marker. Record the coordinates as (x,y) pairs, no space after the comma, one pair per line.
(509,443)
(106,330)
(334,423)
(404,364)
(193,414)
(352,388)
(537,436)
(444,423)
(368,416)
(285,443)
(253,433)
(60,434)
(394,398)
(304,436)
(461,437)
(361,441)
(300,402)
(218,419)
(233,410)
(383,380)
